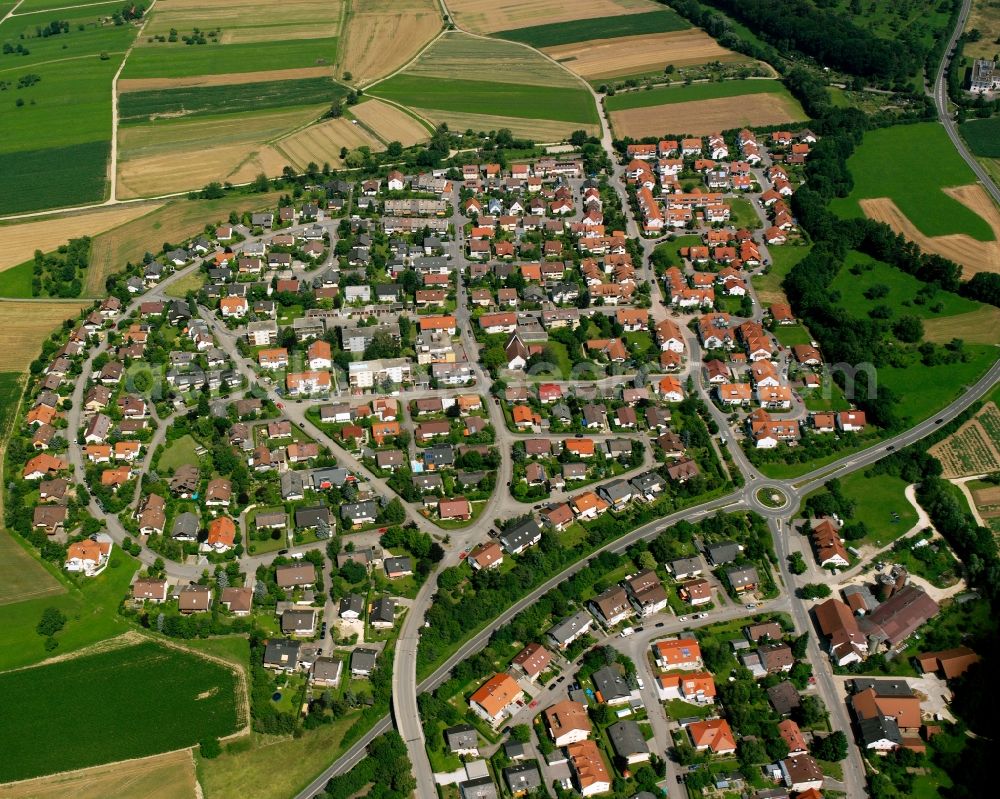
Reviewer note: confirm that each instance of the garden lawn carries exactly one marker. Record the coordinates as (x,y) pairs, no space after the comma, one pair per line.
(484,97)
(179,452)
(582,30)
(91,611)
(790,335)
(888,164)
(16,281)
(109,706)
(696,91)
(903,288)
(876,498)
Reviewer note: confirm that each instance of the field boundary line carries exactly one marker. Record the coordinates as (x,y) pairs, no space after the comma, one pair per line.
(405,66)
(61,60)
(61,8)
(365,127)
(115,116)
(83,771)
(409,112)
(120,641)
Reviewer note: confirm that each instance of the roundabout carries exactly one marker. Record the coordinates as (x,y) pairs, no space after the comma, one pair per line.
(770,498)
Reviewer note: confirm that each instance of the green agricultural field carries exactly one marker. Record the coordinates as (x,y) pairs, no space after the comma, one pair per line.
(43,5)
(694,92)
(876,498)
(125,703)
(91,608)
(34,179)
(16,281)
(983,136)
(887,164)
(482,97)
(903,290)
(211,100)
(10,393)
(582,30)
(181,61)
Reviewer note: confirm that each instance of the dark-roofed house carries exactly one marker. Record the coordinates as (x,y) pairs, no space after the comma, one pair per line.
(352,607)
(646,592)
(478,788)
(628,742)
(880,734)
(612,606)
(281,655)
(318,516)
(326,671)
(565,632)
(723,552)
(462,740)
(611,686)
(363,662)
(383,613)
(358,513)
(742,578)
(783,697)
(683,568)
(398,567)
(185,527)
(522,778)
(298,622)
(521,536)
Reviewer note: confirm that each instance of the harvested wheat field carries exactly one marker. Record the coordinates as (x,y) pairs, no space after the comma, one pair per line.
(169,776)
(390,123)
(324,141)
(540,130)
(246,20)
(974,256)
(380,36)
(174,222)
(635,55)
(976,327)
(21,240)
(227,79)
(179,154)
(458,55)
(974,448)
(487,16)
(27,323)
(701,117)
(987,502)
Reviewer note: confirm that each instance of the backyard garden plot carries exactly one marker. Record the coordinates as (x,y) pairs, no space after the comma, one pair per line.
(974,448)
(390,123)
(583,30)
(380,36)
(113,705)
(460,56)
(896,163)
(490,16)
(323,142)
(635,55)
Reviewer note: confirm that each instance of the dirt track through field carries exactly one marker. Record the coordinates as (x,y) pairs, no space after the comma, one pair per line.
(973,255)
(634,55)
(701,117)
(324,141)
(227,79)
(21,240)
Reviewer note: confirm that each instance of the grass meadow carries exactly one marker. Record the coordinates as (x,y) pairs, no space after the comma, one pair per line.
(903,289)
(877,497)
(696,91)
(183,61)
(16,281)
(582,30)
(10,393)
(484,97)
(109,706)
(911,164)
(22,576)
